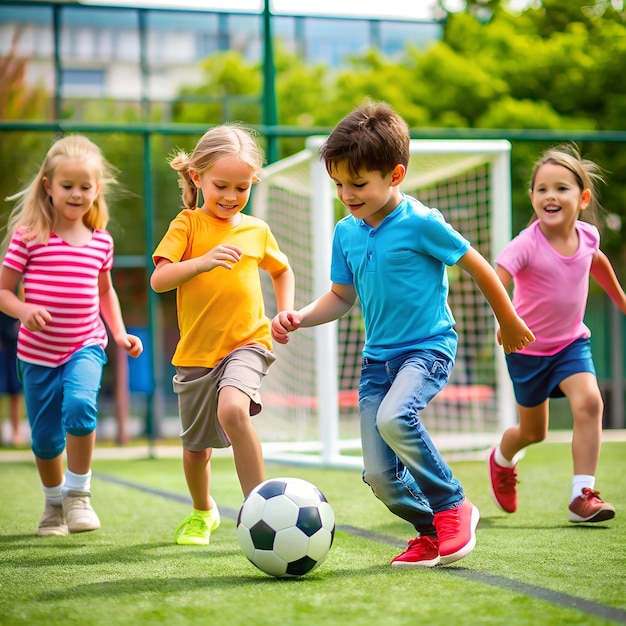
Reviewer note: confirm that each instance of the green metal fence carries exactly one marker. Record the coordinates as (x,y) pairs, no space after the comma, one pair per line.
(141,215)
(150,199)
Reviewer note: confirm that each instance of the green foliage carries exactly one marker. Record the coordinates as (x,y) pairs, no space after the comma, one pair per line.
(300,89)
(557,65)
(443,81)
(231,91)
(18,100)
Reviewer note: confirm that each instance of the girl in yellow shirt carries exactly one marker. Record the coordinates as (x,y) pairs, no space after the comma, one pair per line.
(211,255)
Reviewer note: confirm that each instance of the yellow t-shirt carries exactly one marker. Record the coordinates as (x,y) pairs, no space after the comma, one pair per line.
(220,310)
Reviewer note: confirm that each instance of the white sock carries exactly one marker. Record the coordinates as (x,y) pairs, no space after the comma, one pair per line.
(53,494)
(77,482)
(581,481)
(501,461)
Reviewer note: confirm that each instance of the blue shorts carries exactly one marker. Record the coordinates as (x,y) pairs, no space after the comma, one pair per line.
(63,399)
(537,378)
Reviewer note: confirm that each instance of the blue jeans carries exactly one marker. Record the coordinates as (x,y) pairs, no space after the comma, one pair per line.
(62,399)
(402,465)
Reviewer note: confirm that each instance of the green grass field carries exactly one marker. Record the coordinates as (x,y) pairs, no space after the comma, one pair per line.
(532,567)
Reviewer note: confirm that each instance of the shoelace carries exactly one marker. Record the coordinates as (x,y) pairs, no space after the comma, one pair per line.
(80,502)
(590,494)
(194,525)
(420,541)
(448,526)
(507,479)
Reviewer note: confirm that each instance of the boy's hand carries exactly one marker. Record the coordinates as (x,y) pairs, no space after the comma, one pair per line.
(514,335)
(284,323)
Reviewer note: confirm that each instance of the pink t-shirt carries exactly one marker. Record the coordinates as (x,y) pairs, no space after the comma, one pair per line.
(550,290)
(63,279)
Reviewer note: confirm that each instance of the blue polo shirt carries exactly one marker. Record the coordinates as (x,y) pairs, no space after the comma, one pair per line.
(399,272)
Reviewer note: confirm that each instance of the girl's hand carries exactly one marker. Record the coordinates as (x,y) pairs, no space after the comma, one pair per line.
(514,335)
(284,323)
(35,317)
(131,343)
(225,255)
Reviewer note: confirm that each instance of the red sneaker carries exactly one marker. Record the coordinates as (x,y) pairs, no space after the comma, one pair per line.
(588,507)
(456,531)
(502,484)
(422,551)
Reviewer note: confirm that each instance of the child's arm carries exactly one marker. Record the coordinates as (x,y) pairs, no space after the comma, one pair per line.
(331,306)
(33,316)
(167,275)
(514,334)
(604,274)
(112,314)
(284,289)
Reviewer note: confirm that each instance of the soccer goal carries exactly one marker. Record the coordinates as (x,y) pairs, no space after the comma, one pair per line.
(310,394)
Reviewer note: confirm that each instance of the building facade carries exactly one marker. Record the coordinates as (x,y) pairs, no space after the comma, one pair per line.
(131,53)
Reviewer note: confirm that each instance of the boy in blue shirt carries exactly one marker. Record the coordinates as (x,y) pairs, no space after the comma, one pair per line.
(392,252)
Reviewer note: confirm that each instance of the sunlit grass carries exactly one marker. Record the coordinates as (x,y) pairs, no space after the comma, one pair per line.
(131,572)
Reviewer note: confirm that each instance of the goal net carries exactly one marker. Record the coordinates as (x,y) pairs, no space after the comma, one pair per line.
(310,394)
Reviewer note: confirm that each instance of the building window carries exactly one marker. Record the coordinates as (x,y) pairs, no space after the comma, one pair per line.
(83,82)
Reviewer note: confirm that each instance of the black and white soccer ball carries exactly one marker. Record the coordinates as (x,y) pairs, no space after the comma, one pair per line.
(286,527)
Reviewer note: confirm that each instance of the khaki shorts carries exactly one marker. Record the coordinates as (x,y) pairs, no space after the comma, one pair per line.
(198,388)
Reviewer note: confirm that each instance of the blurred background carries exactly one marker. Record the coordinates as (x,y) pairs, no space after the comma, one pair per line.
(145,78)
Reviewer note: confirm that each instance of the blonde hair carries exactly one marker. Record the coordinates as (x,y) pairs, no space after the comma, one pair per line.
(588,175)
(33,209)
(220,141)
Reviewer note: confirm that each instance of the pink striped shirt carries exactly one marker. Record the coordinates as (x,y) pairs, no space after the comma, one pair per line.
(63,279)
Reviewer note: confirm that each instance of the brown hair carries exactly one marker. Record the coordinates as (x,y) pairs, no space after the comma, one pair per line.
(373,138)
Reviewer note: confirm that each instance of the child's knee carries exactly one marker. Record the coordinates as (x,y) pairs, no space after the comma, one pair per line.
(81,415)
(390,426)
(379,482)
(590,410)
(233,418)
(47,448)
(197,457)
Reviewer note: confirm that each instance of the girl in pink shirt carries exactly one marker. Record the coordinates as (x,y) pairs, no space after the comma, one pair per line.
(57,245)
(549,263)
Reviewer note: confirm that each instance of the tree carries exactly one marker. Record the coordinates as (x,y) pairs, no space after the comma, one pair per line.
(18,100)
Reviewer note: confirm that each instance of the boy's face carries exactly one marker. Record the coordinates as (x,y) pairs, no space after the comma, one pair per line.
(369,196)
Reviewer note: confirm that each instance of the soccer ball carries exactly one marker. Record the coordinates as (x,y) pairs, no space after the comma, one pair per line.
(286,527)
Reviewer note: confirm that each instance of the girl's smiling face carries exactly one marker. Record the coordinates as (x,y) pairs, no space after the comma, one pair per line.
(73,188)
(556,196)
(226,187)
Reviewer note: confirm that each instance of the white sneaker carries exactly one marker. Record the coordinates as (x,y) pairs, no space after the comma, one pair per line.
(52,521)
(78,512)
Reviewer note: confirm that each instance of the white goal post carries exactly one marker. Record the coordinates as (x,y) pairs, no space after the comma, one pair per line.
(310,395)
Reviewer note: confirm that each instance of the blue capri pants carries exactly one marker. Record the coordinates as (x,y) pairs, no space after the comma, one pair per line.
(63,399)
(401,463)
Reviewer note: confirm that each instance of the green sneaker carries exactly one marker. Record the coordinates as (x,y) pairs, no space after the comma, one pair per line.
(195,530)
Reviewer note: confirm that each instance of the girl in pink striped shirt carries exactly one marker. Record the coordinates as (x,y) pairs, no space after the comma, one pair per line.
(57,245)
